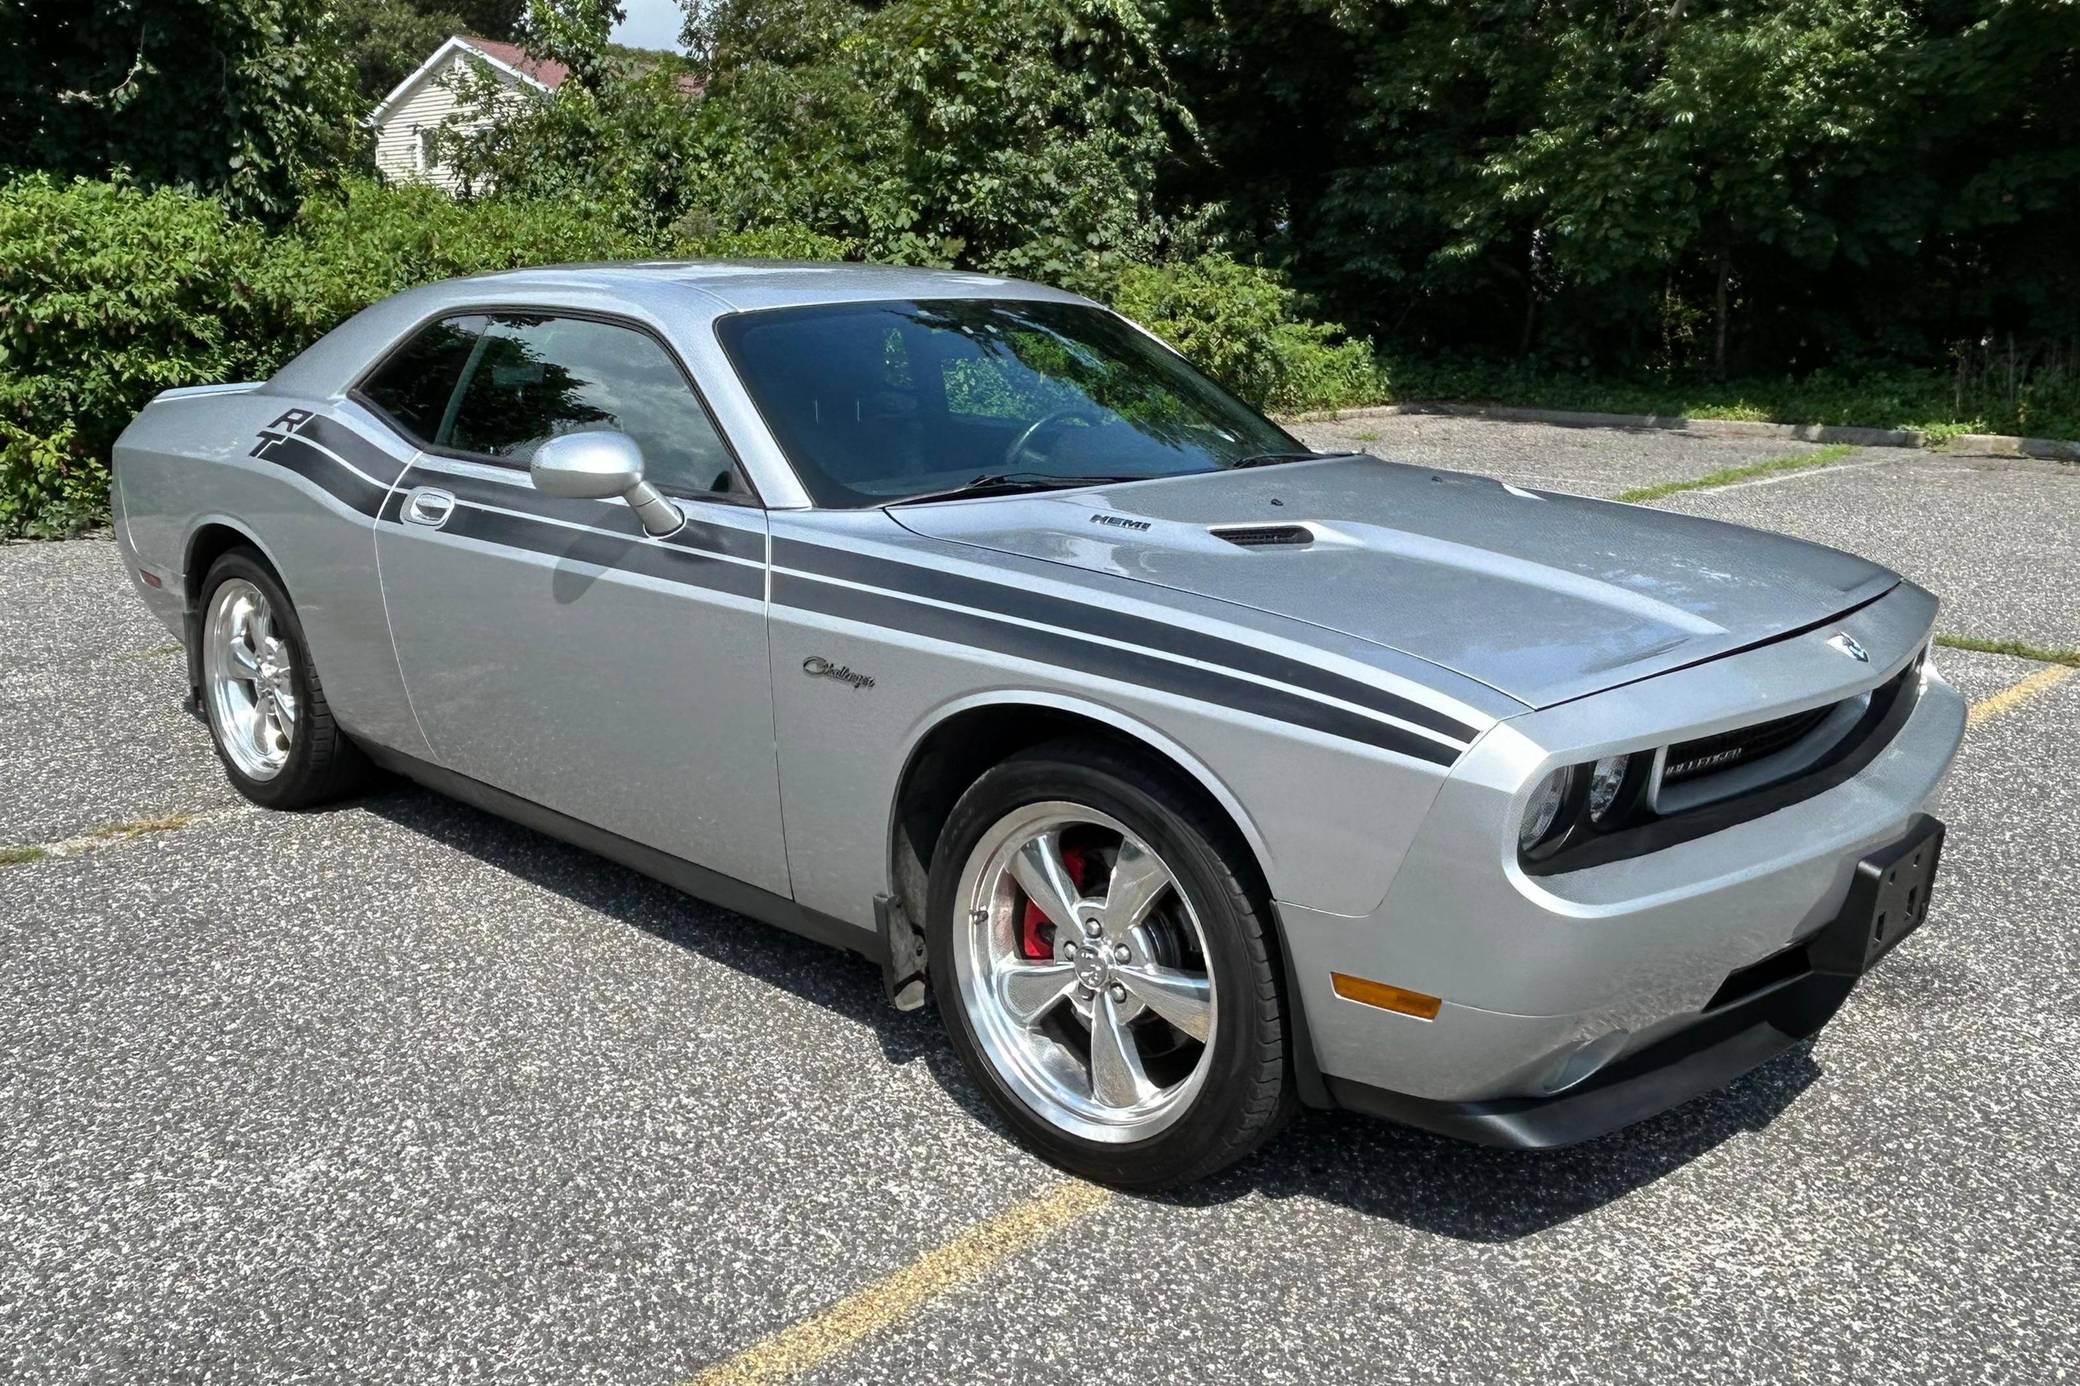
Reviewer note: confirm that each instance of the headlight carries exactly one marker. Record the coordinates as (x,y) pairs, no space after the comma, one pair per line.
(1606,778)
(1543,812)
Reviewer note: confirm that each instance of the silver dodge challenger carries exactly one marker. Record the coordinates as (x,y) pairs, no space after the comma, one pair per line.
(962,623)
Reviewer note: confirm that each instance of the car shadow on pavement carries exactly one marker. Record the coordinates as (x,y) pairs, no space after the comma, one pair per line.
(843,983)
(1477,1193)
(1377,1168)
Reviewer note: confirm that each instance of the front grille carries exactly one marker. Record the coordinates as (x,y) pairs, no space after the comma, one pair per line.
(1689,759)
(1710,805)
(1268,536)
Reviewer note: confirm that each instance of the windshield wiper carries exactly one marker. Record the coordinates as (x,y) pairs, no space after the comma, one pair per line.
(1009,484)
(1272,459)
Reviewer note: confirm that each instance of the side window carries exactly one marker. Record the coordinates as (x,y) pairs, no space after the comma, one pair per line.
(417,384)
(535,377)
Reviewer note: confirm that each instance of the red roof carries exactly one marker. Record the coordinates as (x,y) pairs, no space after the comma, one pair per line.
(549,74)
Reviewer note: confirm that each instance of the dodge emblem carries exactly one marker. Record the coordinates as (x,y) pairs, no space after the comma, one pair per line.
(1846,643)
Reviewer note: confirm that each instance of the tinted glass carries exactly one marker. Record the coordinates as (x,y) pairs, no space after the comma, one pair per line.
(876,401)
(536,377)
(415,385)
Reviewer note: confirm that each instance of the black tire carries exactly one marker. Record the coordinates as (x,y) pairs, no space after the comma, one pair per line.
(1246,1094)
(323,763)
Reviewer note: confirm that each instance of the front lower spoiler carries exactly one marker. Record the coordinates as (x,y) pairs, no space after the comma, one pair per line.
(1807,984)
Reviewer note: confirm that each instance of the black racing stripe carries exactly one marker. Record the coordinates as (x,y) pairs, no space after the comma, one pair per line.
(688,567)
(292,453)
(351,446)
(1102,661)
(1114,625)
(612,516)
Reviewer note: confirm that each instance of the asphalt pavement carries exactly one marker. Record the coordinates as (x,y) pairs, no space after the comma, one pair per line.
(398,1091)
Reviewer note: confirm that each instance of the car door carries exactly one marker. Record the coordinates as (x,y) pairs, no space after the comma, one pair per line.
(548,646)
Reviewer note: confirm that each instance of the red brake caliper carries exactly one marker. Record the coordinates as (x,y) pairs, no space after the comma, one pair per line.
(1036,930)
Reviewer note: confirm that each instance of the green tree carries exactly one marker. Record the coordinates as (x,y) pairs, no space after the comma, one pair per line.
(611,143)
(252,98)
(723,36)
(575,33)
(1678,184)
(1024,137)
(387,40)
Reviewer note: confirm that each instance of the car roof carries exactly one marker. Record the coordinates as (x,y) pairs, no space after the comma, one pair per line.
(740,285)
(681,298)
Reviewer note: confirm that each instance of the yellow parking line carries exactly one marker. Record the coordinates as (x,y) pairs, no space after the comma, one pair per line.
(1993,705)
(840,1327)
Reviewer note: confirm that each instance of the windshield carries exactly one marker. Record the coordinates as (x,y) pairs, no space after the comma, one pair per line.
(875,402)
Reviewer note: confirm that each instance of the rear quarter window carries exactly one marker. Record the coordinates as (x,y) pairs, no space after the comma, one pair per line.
(416,385)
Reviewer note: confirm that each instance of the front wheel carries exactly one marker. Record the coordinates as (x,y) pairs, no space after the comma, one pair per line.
(1104,968)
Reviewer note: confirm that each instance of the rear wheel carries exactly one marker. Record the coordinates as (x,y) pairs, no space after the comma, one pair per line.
(267,711)
(1103,969)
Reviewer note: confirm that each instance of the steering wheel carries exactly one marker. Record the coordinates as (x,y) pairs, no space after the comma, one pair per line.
(1052,419)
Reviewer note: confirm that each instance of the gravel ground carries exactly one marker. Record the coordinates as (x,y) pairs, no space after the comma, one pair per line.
(84,674)
(1996,538)
(402,1092)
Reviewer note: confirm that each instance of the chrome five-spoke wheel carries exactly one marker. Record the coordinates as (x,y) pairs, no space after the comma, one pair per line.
(249,676)
(1083,968)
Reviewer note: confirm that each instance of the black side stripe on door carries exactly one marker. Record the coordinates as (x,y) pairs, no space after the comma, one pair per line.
(610,516)
(681,564)
(1113,625)
(1057,649)
(345,466)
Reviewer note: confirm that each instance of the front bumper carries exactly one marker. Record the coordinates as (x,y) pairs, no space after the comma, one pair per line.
(1617,967)
(1766,1009)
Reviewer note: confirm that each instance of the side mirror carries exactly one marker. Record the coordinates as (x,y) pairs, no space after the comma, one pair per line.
(599,464)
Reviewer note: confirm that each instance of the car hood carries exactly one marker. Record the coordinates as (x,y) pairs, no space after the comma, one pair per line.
(1540,595)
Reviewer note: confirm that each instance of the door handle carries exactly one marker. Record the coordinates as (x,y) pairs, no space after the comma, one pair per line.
(429,506)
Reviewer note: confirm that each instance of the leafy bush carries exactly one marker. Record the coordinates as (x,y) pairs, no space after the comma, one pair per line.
(343,253)
(1242,323)
(778,241)
(109,294)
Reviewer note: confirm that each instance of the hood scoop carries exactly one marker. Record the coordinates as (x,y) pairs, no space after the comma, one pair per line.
(1266,536)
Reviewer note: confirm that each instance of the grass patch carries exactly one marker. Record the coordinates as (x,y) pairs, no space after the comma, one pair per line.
(2020,649)
(139,827)
(1727,476)
(1937,403)
(18,856)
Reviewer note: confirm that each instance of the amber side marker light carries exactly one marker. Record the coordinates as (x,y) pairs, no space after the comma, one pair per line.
(1387,998)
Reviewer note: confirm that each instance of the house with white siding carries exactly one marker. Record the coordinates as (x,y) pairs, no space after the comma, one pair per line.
(422,103)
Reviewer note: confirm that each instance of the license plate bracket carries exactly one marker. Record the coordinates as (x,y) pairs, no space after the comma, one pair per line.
(1888,899)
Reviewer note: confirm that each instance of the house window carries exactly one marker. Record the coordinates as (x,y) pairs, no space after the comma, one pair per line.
(423,138)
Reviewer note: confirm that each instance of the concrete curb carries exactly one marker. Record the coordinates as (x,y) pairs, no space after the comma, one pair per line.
(1966,444)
